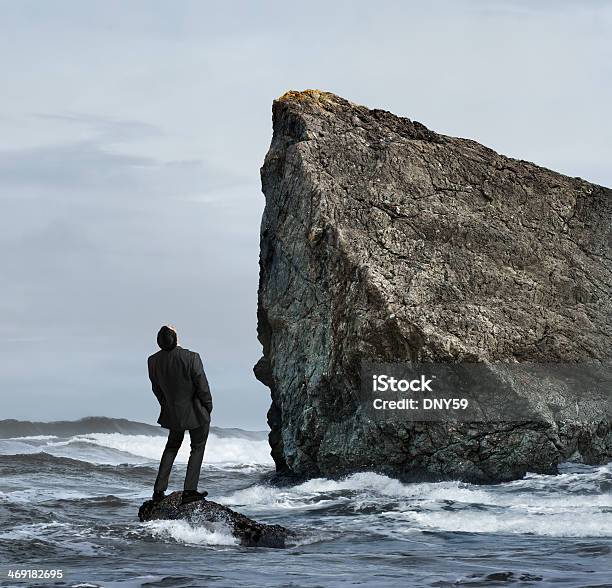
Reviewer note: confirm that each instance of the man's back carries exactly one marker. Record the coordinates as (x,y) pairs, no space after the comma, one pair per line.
(178,379)
(180,385)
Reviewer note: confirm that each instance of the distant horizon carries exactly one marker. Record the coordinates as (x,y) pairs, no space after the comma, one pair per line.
(74,420)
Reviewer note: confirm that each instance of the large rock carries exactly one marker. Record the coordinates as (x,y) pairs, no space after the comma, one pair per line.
(250,533)
(384,241)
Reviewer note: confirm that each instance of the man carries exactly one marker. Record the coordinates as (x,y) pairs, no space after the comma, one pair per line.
(180,385)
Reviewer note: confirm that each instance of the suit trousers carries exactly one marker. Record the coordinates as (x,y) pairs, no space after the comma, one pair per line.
(198,439)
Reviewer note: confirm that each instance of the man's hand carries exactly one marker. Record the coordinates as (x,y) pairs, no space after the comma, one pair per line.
(156,389)
(200,383)
(158,394)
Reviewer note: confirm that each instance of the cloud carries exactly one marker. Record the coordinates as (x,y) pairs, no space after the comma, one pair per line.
(132,139)
(107,128)
(84,169)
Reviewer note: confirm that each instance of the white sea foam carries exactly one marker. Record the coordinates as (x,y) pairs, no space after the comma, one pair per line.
(570,505)
(15,447)
(519,493)
(263,497)
(219,450)
(32,530)
(513,521)
(183,532)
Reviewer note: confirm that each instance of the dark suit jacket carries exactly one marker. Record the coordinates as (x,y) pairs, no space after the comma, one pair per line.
(180,384)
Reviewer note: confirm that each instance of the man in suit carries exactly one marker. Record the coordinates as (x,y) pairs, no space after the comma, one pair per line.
(180,385)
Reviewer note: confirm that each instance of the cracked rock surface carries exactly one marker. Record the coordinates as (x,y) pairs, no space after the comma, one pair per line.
(384,241)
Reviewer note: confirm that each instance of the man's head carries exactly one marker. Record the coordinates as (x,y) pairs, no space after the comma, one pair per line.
(167,338)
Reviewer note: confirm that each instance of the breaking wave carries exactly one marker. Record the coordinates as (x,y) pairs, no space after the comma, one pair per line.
(219,450)
(225,447)
(572,504)
(183,532)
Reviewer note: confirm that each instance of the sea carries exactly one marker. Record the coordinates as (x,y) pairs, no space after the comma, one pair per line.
(70,492)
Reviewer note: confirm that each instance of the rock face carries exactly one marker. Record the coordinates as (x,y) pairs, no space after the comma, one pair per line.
(384,241)
(205,512)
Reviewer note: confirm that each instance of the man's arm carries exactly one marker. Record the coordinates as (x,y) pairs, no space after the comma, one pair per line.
(200,383)
(156,389)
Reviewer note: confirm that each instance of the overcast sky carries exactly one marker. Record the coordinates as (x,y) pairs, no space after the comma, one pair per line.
(132,136)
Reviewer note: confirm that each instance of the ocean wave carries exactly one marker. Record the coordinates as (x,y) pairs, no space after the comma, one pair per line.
(81,449)
(560,490)
(32,438)
(62,536)
(37,496)
(117,448)
(183,532)
(54,472)
(265,497)
(219,450)
(14,428)
(512,522)
(573,505)
(31,462)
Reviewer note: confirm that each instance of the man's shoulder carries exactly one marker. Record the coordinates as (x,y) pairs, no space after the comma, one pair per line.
(186,351)
(190,357)
(153,357)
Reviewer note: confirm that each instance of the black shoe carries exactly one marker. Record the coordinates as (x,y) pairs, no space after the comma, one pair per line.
(158,496)
(193,496)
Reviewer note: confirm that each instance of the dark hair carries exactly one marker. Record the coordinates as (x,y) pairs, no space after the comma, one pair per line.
(166,338)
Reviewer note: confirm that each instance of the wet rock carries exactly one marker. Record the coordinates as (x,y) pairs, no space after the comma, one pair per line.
(250,533)
(384,241)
